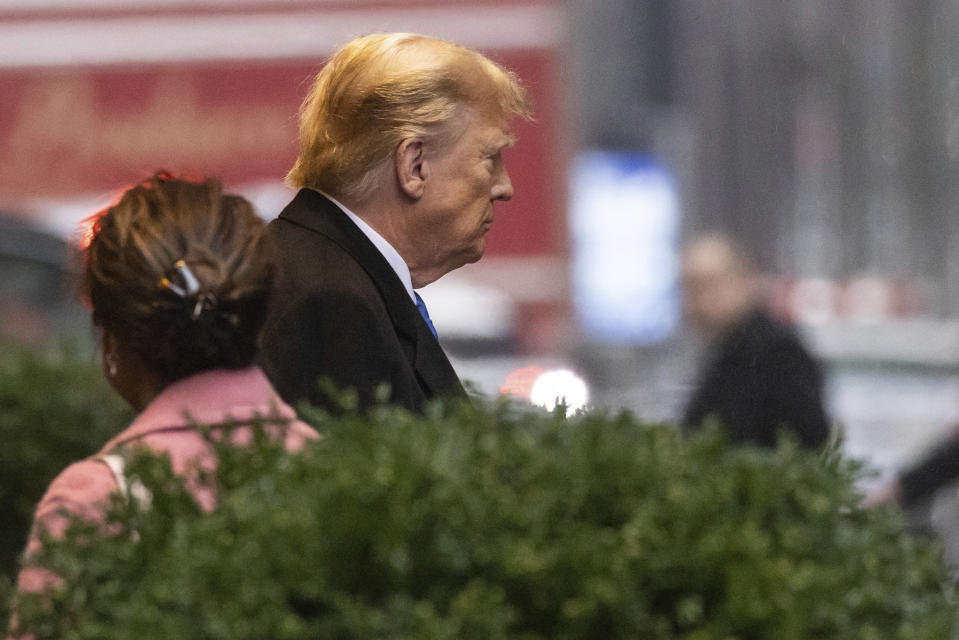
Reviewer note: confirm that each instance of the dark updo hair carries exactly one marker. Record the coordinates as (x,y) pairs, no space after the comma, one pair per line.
(181,274)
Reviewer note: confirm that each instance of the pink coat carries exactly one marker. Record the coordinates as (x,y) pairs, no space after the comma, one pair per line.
(210,397)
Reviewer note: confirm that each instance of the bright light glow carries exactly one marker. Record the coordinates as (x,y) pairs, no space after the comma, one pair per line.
(560,386)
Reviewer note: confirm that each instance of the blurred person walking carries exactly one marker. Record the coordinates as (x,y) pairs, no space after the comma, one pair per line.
(758,378)
(178,276)
(400,165)
(915,485)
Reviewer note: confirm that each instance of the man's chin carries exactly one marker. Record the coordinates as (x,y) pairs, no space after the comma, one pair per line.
(477,252)
(474,258)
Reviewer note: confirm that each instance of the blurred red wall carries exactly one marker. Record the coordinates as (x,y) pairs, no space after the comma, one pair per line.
(76,125)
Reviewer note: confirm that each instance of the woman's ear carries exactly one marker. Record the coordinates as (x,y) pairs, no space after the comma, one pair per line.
(127,373)
(108,349)
(411,171)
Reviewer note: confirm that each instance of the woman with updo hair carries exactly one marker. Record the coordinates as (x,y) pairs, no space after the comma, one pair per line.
(178,275)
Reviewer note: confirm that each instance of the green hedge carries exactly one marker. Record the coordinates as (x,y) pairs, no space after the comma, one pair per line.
(499,523)
(55,408)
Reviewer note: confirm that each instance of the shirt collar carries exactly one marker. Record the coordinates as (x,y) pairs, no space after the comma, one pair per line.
(392,256)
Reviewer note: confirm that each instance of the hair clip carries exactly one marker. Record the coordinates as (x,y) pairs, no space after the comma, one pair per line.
(205,300)
(189,280)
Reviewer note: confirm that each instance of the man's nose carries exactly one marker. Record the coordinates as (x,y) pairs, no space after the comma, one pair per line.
(503,189)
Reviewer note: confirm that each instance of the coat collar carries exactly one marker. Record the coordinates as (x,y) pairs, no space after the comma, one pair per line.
(209,397)
(388,251)
(313,211)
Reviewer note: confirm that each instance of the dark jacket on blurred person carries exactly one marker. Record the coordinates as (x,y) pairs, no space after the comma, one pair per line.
(938,468)
(759,380)
(339,312)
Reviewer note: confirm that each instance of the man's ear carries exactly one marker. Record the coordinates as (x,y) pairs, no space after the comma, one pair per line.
(410,167)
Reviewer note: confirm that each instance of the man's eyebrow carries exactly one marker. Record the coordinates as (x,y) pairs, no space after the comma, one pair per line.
(508,140)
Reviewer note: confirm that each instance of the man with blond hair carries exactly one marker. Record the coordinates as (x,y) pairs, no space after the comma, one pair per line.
(400,164)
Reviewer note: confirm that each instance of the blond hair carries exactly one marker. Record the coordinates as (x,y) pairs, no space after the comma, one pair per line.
(381,89)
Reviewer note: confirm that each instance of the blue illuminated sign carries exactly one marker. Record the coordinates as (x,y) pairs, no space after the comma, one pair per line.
(624,222)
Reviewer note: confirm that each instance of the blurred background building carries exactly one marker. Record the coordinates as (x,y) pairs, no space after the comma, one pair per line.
(824,135)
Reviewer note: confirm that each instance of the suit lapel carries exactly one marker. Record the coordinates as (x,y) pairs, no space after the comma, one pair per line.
(312,210)
(432,366)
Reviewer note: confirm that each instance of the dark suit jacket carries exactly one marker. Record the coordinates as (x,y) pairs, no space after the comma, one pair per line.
(760,379)
(340,312)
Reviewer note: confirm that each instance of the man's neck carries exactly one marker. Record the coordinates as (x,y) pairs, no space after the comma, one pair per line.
(381,216)
(389,219)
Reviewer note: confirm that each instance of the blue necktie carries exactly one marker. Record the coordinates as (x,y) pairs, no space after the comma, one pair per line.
(421,307)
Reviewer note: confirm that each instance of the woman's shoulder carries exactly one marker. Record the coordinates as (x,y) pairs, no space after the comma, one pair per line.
(83,490)
(83,482)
